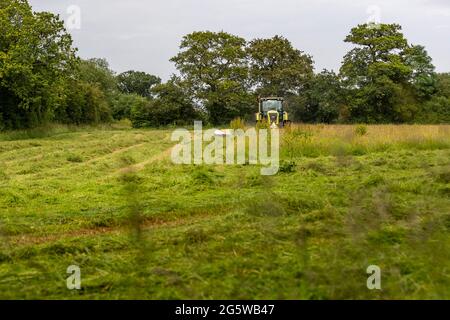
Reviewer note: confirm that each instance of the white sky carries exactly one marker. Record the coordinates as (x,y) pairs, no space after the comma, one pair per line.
(145,34)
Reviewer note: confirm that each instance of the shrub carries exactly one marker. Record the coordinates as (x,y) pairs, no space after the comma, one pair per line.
(124,103)
(436,110)
(123,124)
(172,106)
(361,130)
(85,103)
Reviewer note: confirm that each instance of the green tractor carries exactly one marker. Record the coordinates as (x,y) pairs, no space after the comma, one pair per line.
(271,110)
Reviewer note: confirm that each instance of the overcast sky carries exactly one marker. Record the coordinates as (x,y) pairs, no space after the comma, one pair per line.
(144,34)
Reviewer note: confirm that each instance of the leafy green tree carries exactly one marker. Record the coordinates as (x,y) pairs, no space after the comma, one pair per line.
(423,77)
(321,100)
(90,92)
(175,96)
(124,103)
(85,103)
(137,82)
(214,67)
(436,110)
(386,76)
(376,55)
(36,56)
(171,105)
(443,84)
(97,72)
(277,68)
(95,108)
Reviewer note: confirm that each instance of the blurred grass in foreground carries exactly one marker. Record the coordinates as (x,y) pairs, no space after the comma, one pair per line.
(109,200)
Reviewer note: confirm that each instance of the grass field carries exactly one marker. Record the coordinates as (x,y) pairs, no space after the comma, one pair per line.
(110,201)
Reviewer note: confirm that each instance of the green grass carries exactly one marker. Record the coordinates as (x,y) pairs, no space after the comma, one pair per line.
(141,227)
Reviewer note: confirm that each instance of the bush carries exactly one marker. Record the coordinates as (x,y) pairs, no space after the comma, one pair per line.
(141,117)
(123,124)
(124,103)
(436,110)
(361,130)
(85,103)
(154,114)
(172,106)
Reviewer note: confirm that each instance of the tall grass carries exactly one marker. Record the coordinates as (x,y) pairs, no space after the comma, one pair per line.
(55,129)
(321,140)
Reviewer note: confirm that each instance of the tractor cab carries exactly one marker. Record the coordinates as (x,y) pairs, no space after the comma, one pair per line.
(271,110)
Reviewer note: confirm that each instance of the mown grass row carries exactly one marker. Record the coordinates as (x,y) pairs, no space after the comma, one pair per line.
(169,231)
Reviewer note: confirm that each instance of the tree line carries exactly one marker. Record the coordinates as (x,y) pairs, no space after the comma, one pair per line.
(383,79)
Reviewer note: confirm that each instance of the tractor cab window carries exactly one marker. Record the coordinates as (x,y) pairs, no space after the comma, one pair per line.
(269,105)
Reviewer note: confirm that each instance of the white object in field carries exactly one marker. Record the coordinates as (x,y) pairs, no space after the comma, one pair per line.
(274,126)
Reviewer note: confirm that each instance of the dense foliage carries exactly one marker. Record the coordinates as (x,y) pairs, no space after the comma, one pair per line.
(214,67)
(171,105)
(388,78)
(137,82)
(277,68)
(383,79)
(36,58)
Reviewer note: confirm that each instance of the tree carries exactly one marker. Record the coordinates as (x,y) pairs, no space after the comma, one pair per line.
(385,75)
(423,77)
(321,100)
(96,71)
(174,95)
(213,65)
(436,110)
(277,68)
(171,105)
(124,103)
(443,84)
(378,54)
(89,93)
(36,56)
(137,82)
(84,103)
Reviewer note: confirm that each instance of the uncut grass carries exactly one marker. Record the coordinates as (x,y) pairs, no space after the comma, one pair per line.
(225,231)
(321,140)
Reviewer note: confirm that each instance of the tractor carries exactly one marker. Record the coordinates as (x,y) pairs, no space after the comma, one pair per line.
(271,110)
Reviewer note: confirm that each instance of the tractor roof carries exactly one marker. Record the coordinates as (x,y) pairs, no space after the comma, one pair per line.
(272,98)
